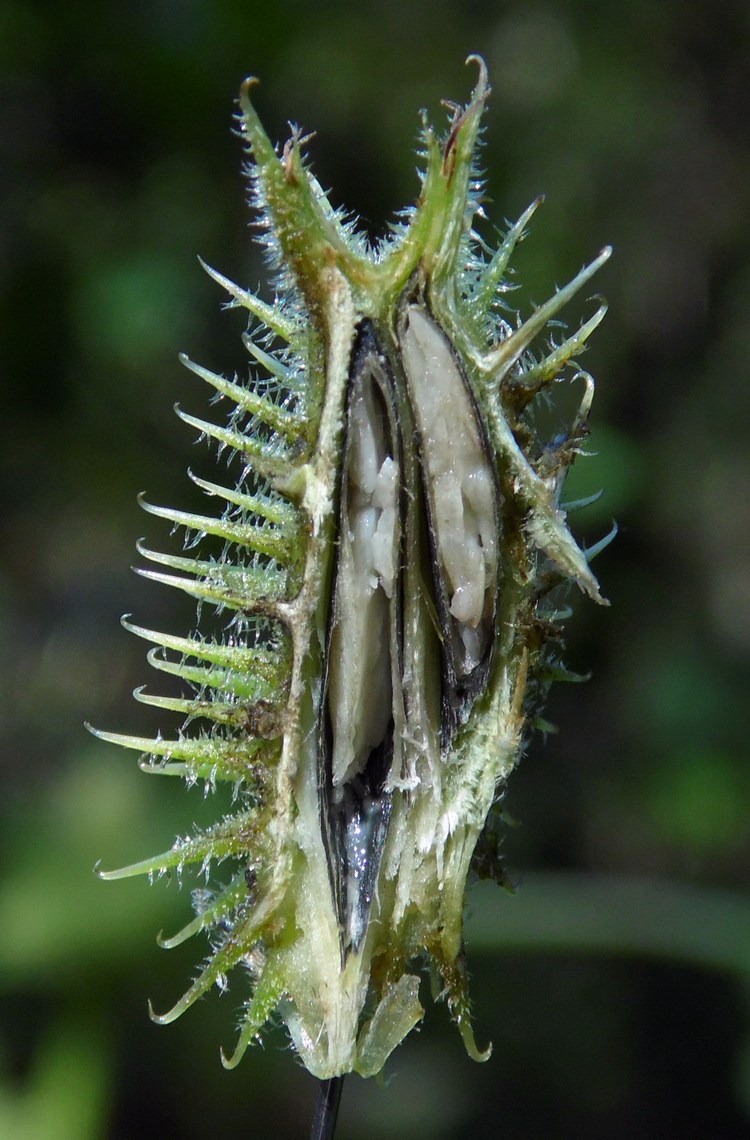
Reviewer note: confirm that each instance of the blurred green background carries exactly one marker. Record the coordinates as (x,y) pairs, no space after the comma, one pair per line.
(615,984)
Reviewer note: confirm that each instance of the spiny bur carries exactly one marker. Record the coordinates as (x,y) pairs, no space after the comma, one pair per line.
(388,571)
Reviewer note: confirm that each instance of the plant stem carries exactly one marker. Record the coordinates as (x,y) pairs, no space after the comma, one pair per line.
(327,1109)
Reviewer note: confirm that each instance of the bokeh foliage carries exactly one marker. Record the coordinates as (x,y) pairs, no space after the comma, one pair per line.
(118,167)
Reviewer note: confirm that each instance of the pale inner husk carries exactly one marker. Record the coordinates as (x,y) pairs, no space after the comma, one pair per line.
(360,678)
(459,481)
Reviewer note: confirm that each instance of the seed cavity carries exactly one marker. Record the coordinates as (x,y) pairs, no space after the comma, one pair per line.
(361,678)
(370,709)
(462,497)
(363,654)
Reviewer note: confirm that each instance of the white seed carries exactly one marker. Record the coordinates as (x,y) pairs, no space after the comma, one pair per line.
(360,668)
(458,478)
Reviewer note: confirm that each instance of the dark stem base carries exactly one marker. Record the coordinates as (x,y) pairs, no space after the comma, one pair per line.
(327,1109)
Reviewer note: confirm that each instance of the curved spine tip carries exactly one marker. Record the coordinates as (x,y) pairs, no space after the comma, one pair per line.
(482,89)
(235,1057)
(105,876)
(177,1009)
(167,943)
(470,1044)
(579,504)
(144,504)
(592,551)
(246,87)
(181,936)
(159,1018)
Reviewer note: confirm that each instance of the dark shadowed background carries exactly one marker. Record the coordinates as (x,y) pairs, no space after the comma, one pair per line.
(614,985)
